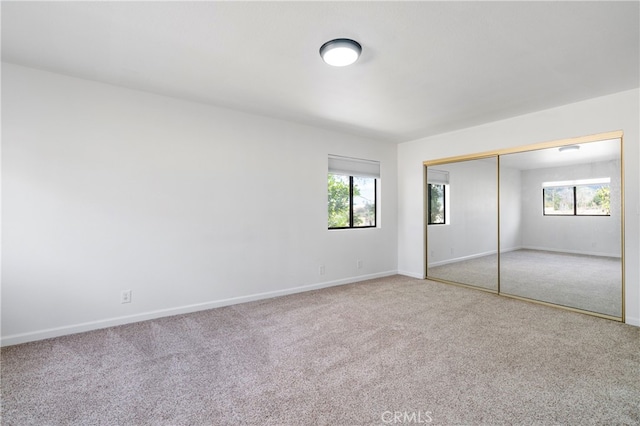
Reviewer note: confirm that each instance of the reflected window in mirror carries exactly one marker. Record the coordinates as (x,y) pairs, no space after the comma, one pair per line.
(437,197)
(586,197)
(437,204)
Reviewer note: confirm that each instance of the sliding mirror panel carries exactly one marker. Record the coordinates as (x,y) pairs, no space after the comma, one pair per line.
(462,222)
(561,226)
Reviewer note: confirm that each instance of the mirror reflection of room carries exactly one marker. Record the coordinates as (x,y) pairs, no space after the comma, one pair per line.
(560,232)
(560,225)
(462,204)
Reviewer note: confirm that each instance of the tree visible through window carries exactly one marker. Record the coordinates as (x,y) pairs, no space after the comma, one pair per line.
(436,200)
(351,201)
(587,197)
(351,184)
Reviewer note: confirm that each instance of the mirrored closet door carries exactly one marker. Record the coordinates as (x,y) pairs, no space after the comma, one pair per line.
(543,223)
(462,216)
(560,226)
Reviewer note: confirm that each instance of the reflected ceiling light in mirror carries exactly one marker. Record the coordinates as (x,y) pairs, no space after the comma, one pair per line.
(568,148)
(340,52)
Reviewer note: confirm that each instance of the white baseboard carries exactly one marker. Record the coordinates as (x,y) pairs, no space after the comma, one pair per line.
(16,339)
(419,276)
(461,258)
(582,252)
(632,321)
(508,249)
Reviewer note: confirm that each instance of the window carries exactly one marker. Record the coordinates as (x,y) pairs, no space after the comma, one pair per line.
(436,204)
(437,190)
(586,197)
(352,192)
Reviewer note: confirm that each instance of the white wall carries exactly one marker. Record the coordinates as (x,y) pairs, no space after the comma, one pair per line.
(510,209)
(609,113)
(593,235)
(473,203)
(189,206)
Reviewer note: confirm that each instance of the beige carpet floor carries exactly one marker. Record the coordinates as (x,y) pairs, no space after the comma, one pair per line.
(385,351)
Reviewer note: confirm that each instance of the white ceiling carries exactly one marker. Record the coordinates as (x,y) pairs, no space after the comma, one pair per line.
(591,152)
(426,67)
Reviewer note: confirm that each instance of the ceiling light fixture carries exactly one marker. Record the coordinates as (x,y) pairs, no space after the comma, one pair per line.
(569,148)
(340,52)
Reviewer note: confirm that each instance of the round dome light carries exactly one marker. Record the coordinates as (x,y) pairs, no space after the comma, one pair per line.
(340,52)
(568,148)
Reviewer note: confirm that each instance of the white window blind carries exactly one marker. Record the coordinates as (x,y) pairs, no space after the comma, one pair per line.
(353,166)
(576,182)
(439,177)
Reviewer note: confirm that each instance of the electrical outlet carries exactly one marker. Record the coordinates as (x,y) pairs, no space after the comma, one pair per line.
(321,270)
(359,264)
(125,296)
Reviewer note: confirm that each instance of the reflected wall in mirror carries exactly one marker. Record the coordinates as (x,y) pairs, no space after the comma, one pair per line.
(560,226)
(462,222)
